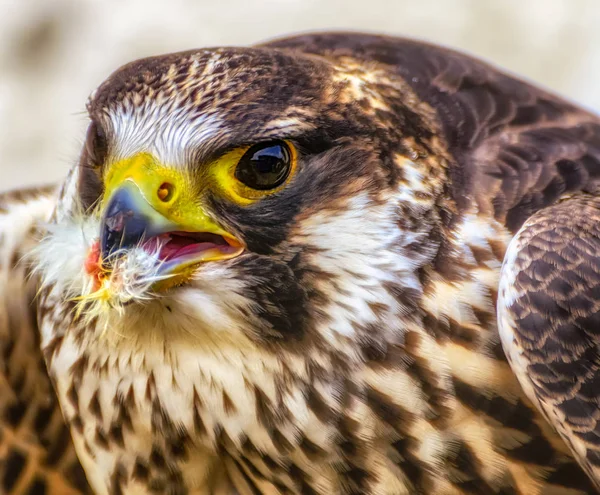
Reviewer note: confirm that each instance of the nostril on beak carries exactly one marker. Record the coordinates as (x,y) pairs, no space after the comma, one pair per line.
(165,192)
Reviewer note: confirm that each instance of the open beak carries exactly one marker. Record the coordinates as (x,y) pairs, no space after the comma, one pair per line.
(152,207)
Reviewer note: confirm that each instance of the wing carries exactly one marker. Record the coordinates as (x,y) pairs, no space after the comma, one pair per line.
(36,454)
(514,148)
(549,319)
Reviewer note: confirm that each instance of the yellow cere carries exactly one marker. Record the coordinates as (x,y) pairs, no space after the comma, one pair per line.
(166,189)
(150,176)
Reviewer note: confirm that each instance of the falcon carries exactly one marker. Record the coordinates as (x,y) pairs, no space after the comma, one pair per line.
(334,263)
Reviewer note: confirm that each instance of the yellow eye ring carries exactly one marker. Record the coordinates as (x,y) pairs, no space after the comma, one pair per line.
(253,172)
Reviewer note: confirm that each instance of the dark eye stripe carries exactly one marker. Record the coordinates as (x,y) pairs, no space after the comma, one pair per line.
(264,166)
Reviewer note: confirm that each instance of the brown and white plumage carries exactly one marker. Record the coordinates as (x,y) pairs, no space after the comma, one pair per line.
(548,315)
(36,452)
(344,339)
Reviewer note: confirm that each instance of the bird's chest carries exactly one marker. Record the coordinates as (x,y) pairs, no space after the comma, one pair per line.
(127,433)
(190,421)
(152,423)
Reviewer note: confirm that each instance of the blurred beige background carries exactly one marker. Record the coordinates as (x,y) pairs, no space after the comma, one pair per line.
(54,52)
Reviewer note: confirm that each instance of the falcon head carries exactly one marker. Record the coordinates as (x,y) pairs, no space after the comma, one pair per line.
(247,192)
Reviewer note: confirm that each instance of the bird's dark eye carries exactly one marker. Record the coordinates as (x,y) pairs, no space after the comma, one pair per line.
(91,162)
(265,166)
(96,145)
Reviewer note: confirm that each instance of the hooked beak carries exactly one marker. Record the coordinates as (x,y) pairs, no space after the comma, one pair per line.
(153,207)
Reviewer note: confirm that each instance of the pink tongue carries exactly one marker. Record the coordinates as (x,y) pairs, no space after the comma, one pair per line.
(174,246)
(176,249)
(177,246)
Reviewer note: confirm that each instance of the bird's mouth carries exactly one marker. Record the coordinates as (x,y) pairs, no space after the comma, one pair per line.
(175,248)
(175,255)
(149,212)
